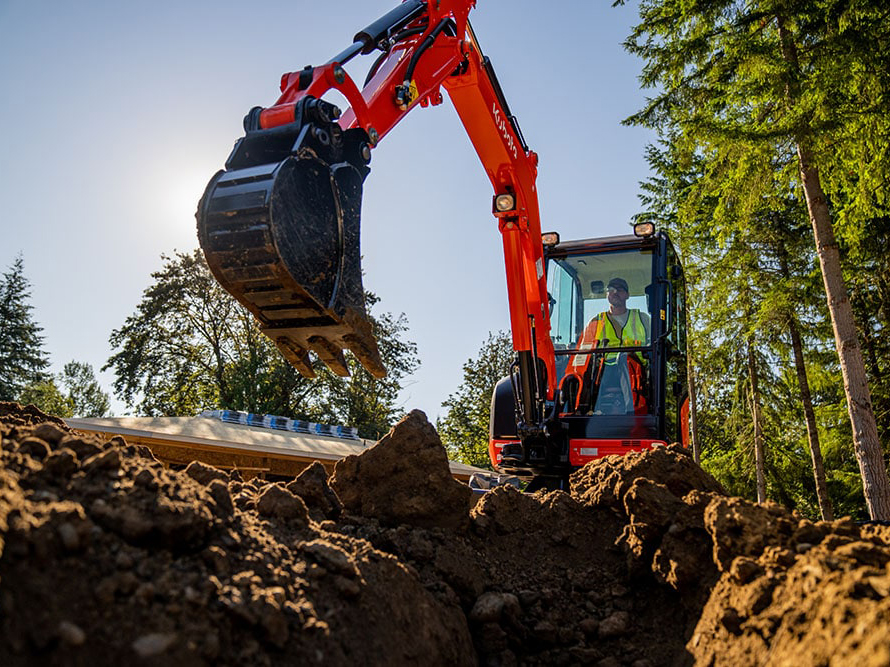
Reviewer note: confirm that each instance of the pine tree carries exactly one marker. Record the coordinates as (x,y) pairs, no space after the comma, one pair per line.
(768,240)
(802,87)
(22,359)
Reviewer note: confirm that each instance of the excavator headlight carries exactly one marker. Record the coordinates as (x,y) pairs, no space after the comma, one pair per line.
(505,202)
(550,238)
(644,229)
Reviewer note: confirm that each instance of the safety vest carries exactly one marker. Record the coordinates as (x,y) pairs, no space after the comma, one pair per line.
(600,332)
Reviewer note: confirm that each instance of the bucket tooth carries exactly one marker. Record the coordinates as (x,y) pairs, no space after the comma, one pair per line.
(330,354)
(295,355)
(363,345)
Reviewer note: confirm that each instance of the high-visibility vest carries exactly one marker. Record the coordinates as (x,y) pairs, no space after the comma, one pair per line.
(600,332)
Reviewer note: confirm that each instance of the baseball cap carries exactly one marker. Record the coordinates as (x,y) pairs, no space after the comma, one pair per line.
(620,283)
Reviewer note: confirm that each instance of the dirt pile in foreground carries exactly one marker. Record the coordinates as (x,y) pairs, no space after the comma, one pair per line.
(106,557)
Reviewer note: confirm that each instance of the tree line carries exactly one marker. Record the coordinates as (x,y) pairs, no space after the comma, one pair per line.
(771,172)
(74,392)
(189,346)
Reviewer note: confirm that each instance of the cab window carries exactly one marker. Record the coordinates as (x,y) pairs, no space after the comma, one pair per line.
(602,300)
(579,290)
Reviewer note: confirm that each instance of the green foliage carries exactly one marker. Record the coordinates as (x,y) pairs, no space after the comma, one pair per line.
(464,428)
(85,395)
(72,393)
(750,276)
(190,346)
(867,267)
(744,83)
(22,359)
(46,396)
(361,400)
(740,86)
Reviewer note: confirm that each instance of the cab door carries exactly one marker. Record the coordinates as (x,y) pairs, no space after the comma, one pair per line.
(676,386)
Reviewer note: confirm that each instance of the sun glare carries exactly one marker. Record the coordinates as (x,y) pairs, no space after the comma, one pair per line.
(183,187)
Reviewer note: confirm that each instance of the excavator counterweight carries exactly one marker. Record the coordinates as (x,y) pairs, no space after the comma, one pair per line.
(280,230)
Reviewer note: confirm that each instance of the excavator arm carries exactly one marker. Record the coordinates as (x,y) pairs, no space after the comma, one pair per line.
(280,224)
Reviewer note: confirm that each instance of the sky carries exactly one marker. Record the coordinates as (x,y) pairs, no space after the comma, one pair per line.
(115,115)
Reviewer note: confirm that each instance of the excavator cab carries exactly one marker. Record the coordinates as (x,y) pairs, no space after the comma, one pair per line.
(601,301)
(617,322)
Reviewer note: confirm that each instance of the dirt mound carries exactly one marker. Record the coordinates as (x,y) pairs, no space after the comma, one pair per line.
(797,592)
(404,478)
(26,415)
(109,558)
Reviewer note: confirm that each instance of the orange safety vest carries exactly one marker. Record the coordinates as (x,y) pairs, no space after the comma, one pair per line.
(601,332)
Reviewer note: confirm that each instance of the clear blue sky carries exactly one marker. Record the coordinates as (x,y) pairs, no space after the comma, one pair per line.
(116,114)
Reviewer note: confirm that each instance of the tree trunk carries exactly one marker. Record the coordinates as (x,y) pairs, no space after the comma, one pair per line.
(806,401)
(875,482)
(690,379)
(867,446)
(810,418)
(759,463)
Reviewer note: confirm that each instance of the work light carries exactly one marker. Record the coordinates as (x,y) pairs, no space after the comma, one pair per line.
(505,202)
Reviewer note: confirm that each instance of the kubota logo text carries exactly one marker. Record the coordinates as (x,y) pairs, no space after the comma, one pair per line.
(504,127)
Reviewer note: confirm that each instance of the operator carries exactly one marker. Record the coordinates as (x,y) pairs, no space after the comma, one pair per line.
(619,379)
(626,324)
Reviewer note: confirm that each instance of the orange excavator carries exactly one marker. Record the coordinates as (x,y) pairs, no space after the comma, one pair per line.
(598,325)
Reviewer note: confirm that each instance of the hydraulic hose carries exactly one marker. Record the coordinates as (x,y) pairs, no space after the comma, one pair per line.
(403,94)
(424,45)
(405,34)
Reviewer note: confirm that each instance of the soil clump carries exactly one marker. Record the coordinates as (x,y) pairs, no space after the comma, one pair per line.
(108,557)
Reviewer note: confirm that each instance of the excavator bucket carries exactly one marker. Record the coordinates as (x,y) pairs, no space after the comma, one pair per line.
(280,230)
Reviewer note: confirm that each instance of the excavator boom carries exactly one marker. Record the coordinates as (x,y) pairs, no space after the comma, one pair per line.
(280,224)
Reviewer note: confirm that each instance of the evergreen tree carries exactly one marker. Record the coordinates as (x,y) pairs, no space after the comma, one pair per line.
(758,254)
(464,428)
(867,266)
(794,85)
(22,359)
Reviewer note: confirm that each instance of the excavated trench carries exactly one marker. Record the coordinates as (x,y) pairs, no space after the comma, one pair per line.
(106,557)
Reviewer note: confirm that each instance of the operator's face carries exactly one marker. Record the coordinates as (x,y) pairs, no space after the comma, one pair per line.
(617,296)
